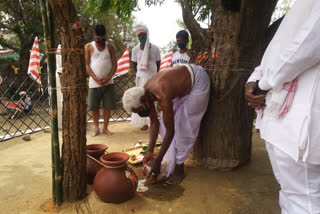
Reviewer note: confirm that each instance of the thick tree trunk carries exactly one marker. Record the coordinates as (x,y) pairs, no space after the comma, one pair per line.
(74,89)
(225,136)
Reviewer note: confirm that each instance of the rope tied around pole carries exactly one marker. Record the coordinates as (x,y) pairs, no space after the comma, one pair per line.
(80,51)
(69,88)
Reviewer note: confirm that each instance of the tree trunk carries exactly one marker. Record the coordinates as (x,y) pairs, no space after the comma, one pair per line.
(225,136)
(200,40)
(74,90)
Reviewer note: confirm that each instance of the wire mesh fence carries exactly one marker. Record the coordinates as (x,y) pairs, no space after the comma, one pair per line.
(25,105)
(121,84)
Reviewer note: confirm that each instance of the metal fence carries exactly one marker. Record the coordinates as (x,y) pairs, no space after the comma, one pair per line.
(18,117)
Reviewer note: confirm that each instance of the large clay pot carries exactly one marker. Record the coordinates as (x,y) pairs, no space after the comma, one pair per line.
(115,182)
(95,151)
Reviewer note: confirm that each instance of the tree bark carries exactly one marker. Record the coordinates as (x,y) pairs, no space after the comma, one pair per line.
(74,90)
(200,40)
(225,136)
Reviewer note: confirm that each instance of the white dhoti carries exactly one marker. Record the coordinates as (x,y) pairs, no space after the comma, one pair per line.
(136,120)
(188,113)
(299,182)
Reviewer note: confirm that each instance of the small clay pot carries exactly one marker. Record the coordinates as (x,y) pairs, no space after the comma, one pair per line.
(95,151)
(116,182)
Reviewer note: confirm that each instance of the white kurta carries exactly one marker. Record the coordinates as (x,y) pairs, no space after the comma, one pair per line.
(143,76)
(154,56)
(294,52)
(293,142)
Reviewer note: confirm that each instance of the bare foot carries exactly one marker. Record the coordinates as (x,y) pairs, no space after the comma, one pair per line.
(107,132)
(145,127)
(177,175)
(96,132)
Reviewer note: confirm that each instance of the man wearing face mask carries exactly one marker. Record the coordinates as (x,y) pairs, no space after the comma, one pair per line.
(146,62)
(182,93)
(101,64)
(181,57)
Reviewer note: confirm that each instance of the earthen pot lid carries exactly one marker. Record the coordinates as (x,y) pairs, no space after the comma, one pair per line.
(115,159)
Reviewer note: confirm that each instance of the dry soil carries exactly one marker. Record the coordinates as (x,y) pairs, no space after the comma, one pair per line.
(25,181)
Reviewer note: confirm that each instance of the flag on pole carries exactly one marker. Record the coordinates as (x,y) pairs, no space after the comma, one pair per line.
(123,64)
(166,61)
(34,62)
(1,80)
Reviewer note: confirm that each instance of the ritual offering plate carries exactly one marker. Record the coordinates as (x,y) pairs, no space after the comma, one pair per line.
(136,154)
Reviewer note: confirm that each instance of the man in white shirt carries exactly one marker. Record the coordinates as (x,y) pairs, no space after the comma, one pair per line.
(146,62)
(285,90)
(101,64)
(181,57)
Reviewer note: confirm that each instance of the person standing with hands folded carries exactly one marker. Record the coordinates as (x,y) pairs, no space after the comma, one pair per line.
(101,64)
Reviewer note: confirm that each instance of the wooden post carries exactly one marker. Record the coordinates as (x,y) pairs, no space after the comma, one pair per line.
(74,90)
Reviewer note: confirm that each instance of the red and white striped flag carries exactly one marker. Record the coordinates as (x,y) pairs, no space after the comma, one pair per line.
(123,64)
(1,80)
(166,61)
(34,62)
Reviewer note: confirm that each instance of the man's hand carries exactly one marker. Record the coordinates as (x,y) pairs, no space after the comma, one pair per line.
(155,167)
(254,101)
(148,158)
(98,80)
(105,80)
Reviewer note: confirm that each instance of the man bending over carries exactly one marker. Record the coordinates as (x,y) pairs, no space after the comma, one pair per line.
(183,94)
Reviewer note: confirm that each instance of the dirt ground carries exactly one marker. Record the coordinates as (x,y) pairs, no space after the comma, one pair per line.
(25,181)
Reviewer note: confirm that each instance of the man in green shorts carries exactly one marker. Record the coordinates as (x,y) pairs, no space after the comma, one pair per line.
(101,64)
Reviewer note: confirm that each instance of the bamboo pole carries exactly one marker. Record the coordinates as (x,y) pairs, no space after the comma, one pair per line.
(55,132)
(48,25)
(54,199)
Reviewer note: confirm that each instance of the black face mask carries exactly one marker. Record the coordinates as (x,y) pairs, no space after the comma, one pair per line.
(182,45)
(144,113)
(101,42)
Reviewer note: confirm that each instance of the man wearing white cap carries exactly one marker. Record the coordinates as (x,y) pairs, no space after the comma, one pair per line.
(146,62)
(285,90)
(183,95)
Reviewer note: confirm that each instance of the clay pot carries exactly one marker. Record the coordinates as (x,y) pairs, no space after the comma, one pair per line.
(116,182)
(95,151)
